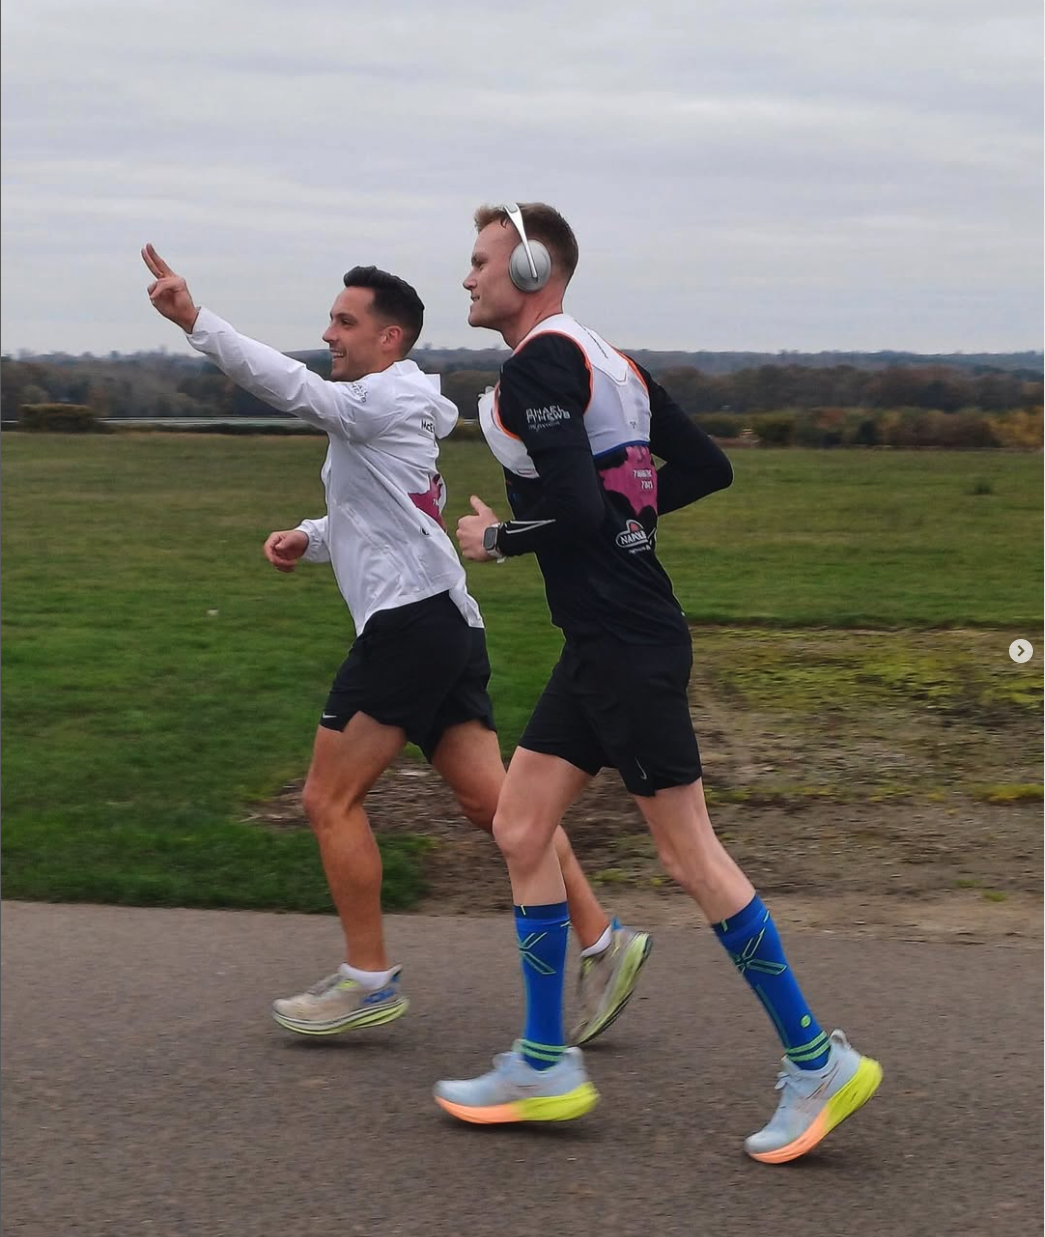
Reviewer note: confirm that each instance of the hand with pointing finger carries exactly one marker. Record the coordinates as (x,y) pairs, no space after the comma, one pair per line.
(169,293)
(470,529)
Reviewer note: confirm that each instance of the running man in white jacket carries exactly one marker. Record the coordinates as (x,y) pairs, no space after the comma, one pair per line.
(418,670)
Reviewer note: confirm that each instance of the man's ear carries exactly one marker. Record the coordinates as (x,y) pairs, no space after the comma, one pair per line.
(394,337)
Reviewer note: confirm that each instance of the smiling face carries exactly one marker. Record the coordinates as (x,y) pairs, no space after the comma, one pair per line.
(496,302)
(359,342)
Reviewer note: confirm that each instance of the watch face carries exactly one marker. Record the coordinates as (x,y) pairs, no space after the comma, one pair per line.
(490,537)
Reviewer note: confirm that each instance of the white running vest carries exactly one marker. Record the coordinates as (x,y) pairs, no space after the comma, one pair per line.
(618,413)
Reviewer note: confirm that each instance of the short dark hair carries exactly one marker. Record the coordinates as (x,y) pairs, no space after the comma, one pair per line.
(394,300)
(543,223)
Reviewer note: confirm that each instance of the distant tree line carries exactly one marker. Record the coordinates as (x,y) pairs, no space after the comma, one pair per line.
(772,387)
(813,399)
(1022,364)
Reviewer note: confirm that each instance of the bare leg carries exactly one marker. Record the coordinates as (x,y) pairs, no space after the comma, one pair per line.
(691,853)
(536,793)
(587,917)
(344,768)
(825,1080)
(469,760)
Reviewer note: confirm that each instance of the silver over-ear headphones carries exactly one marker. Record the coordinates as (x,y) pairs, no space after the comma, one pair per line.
(530,265)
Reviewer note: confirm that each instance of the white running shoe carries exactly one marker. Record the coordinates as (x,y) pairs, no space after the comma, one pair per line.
(515,1091)
(607,980)
(813,1102)
(338,1003)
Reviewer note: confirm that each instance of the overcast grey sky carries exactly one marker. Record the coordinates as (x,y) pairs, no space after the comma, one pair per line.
(762,174)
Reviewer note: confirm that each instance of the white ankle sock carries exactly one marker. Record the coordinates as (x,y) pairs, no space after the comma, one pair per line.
(602,943)
(367,979)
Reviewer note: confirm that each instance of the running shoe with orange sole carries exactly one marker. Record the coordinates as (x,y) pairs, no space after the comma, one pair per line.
(813,1102)
(515,1091)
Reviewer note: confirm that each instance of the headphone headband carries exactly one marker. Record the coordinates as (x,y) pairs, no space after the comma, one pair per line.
(513,212)
(530,265)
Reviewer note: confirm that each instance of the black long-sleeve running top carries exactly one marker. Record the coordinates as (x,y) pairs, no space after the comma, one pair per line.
(587,498)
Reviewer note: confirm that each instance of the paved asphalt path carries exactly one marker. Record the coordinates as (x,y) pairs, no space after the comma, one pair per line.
(146,1090)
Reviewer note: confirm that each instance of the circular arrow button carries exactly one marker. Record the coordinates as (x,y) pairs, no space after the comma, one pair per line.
(1021,650)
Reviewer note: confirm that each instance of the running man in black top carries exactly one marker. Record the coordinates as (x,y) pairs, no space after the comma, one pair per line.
(578,428)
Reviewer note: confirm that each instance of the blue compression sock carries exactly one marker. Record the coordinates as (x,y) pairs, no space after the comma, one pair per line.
(753,943)
(542,933)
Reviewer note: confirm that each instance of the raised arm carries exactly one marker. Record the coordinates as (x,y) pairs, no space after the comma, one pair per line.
(169,292)
(340,408)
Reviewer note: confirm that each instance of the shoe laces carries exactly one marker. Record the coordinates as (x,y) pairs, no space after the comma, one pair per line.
(782,1080)
(325,985)
(509,1064)
(798,1083)
(591,961)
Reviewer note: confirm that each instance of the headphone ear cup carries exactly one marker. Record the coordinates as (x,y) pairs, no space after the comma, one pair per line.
(519,267)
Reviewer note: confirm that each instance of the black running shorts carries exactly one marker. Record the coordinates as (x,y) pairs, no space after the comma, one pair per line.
(620,706)
(419,667)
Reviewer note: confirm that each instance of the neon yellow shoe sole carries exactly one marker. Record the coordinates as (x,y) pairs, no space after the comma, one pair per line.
(355,1021)
(620,991)
(849,1099)
(539,1108)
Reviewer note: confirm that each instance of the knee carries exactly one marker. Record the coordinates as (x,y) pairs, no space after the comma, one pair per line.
(518,841)
(699,864)
(671,863)
(322,808)
(315,802)
(477,812)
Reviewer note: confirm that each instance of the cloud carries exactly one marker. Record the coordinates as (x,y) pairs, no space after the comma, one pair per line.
(773,174)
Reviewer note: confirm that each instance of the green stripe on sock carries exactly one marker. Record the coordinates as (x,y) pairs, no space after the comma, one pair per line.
(807,1052)
(543,1052)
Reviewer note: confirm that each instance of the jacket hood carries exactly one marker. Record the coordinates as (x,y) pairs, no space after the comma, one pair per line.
(444,411)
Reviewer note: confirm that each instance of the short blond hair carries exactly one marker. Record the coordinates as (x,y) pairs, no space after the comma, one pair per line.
(543,223)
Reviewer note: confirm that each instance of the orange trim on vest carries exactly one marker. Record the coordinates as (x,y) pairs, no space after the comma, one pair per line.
(635,369)
(587,363)
(497,417)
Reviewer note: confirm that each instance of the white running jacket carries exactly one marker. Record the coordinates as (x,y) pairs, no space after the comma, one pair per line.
(383,532)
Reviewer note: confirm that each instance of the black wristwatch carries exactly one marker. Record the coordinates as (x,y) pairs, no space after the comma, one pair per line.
(490,534)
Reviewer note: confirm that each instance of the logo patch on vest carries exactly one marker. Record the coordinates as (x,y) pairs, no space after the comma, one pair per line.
(634,538)
(546,418)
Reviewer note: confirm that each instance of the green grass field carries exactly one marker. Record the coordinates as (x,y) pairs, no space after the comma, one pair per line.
(160,676)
